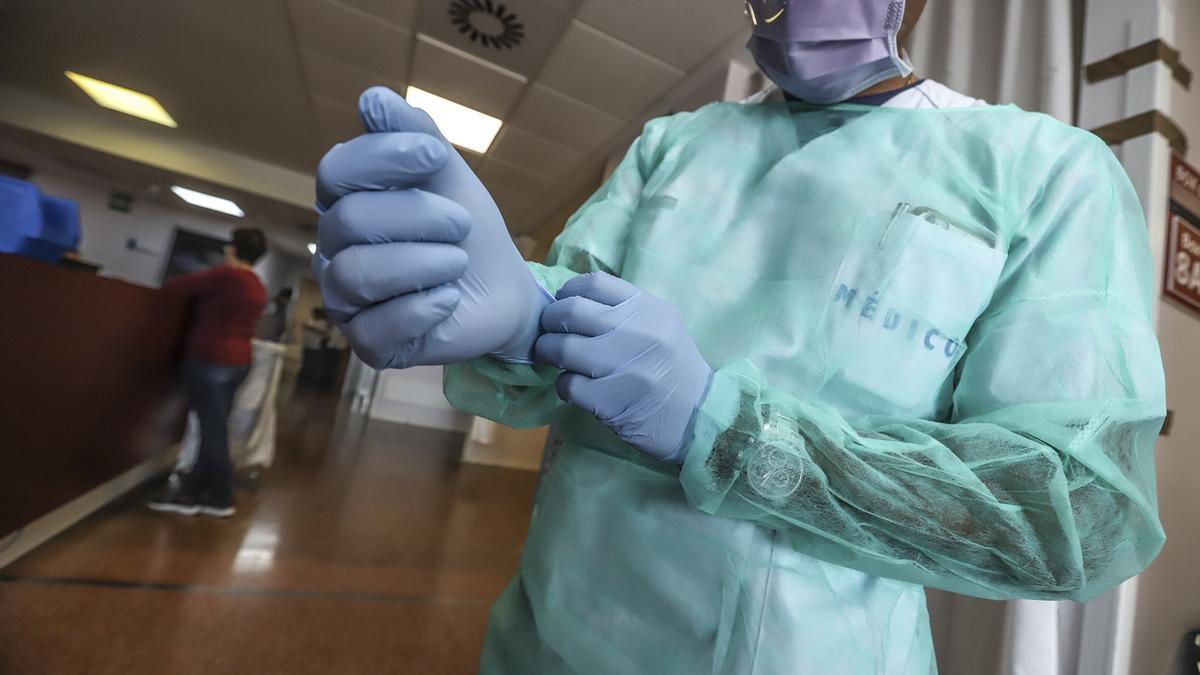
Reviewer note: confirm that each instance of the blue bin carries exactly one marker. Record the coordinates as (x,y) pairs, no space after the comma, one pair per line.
(40,249)
(20,213)
(60,222)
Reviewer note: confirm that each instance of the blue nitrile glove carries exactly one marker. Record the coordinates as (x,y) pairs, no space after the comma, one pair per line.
(415,264)
(629,361)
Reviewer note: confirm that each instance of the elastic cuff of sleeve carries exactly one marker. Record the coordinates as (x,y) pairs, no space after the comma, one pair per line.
(704,480)
(509,374)
(550,279)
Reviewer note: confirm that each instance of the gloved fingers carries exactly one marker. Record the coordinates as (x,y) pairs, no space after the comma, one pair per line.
(378,162)
(599,286)
(582,316)
(382,109)
(382,335)
(574,353)
(361,276)
(581,392)
(394,216)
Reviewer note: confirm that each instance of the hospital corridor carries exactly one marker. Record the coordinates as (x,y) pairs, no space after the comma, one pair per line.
(369,549)
(600,337)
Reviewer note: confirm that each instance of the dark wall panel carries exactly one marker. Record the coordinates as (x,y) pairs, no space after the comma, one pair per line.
(87,384)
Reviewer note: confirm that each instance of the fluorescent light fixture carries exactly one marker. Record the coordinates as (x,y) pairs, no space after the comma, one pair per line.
(123,100)
(312,248)
(205,201)
(461,125)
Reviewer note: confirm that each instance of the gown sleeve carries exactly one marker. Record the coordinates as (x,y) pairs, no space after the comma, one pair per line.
(593,240)
(1040,484)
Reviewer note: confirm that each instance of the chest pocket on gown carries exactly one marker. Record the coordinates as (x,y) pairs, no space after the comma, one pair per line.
(898,316)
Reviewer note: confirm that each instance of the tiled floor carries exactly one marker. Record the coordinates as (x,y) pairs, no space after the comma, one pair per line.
(366,549)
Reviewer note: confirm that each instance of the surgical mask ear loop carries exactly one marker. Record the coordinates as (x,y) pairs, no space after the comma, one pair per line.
(904,63)
(895,21)
(753,16)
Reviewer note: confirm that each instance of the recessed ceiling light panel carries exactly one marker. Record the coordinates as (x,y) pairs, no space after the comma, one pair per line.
(207,201)
(462,126)
(123,100)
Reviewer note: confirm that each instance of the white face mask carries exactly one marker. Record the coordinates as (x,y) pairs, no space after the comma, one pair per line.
(827,51)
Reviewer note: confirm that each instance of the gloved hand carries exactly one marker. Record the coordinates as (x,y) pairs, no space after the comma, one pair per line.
(415,264)
(629,361)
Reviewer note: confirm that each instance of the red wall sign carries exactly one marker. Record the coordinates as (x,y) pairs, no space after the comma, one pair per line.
(1183,236)
(1184,177)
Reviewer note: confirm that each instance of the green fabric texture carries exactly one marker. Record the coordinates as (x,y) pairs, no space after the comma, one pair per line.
(934,367)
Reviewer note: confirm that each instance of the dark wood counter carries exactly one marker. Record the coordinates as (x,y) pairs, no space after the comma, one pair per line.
(87,383)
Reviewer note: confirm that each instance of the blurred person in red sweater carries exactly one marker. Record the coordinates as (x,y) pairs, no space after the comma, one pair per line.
(229,301)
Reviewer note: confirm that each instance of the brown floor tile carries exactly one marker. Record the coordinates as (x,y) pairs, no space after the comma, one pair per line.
(66,630)
(367,548)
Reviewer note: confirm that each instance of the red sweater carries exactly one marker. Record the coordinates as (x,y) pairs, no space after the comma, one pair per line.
(229,302)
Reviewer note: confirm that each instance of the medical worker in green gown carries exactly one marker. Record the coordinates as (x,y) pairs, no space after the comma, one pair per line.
(807,353)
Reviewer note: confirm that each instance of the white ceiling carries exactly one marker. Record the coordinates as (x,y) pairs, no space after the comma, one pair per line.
(289,227)
(278,79)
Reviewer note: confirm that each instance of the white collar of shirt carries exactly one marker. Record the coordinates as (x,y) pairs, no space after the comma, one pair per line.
(926,95)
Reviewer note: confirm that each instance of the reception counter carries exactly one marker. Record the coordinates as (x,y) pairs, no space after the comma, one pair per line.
(88,395)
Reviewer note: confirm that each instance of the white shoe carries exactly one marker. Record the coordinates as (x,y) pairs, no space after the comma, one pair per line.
(174,503)
(217,511)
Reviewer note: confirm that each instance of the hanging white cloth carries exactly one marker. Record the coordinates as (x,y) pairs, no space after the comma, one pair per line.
(1002,51)
(252,421)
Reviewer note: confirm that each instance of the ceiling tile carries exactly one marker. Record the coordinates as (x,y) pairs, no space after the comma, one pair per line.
(399,12)
(473,160)
(680,32)
(352,37)
(534,153)
(540,26)
(341,82)
(564,120)
(337,122)
(515,190)
(565,6)
(227,72)
(453,74)
(604,72)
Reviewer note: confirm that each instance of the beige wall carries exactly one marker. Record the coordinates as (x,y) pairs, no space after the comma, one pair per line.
(1169,592)
(307,297)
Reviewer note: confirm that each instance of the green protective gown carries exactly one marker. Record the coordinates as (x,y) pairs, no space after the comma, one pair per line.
(934,366)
